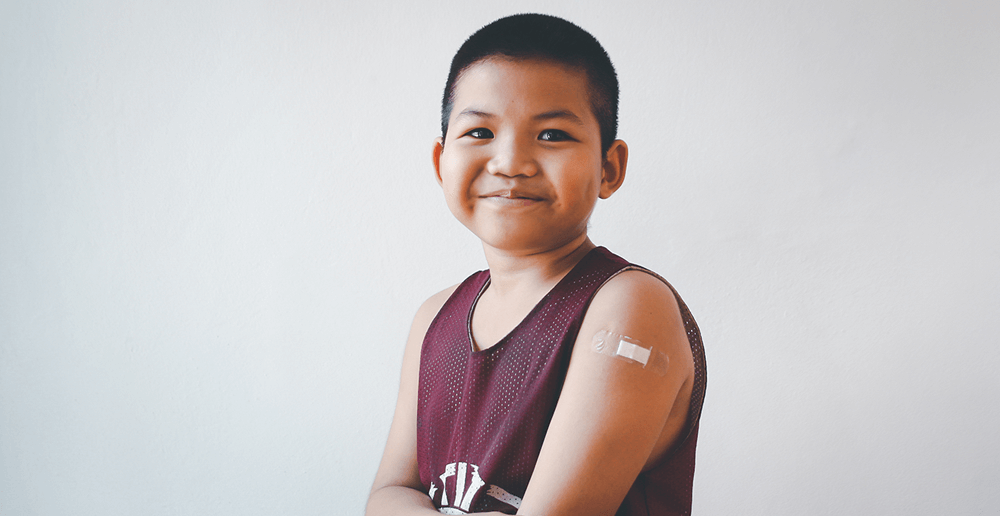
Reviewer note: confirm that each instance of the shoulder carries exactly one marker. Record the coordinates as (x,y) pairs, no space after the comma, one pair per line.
(636,296)
(638,304)
(634,287)
(430,308)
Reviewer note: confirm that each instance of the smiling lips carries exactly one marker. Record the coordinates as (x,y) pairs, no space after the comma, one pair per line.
(508,197)
(512,195)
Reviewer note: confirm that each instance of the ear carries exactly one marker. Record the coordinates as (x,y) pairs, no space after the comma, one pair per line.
(614,168)
(438,149)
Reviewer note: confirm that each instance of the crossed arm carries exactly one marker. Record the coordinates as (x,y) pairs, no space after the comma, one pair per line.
(613,419)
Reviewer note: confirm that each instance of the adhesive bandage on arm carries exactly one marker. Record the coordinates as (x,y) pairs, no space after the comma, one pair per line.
(630,350)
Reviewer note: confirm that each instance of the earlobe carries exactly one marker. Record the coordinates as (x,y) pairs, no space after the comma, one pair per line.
(613,174)
(436,156)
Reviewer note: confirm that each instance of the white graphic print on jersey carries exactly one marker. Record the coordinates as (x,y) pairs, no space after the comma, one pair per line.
(467,483)
(464,486)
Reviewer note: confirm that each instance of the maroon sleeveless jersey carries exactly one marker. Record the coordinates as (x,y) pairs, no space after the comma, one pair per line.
(482,415)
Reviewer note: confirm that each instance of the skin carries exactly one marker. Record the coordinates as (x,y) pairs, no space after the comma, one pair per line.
(522,168)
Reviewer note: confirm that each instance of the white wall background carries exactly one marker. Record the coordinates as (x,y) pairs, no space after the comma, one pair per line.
(216,220)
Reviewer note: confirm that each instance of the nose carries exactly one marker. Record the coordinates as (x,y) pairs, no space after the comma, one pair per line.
(513,157)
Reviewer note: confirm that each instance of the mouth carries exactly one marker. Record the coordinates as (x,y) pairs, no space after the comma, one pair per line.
(511,195)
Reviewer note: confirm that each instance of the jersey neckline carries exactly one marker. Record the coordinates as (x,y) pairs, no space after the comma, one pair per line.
(474,349)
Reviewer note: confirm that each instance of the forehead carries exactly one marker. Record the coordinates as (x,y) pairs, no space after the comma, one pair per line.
(523,86)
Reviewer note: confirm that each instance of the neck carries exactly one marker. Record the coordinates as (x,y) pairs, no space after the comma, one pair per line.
(513,272)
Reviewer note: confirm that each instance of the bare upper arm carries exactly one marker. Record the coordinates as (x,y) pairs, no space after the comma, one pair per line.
(399,460)
(614,416)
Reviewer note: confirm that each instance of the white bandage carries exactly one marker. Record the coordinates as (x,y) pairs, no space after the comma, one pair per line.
(630,350)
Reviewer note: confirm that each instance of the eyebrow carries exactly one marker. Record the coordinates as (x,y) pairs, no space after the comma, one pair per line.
(474,113)
(568,116)
(563,114)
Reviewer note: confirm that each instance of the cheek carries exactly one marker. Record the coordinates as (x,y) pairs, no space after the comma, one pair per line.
(446,172)
(454,183)
(589,173)
(460,171)
(453,166)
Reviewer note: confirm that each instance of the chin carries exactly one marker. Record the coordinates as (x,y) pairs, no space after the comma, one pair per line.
(527,243)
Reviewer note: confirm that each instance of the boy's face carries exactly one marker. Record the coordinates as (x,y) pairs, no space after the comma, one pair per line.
(522,165)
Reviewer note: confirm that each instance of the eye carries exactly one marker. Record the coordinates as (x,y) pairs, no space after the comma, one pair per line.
(554,135)
(480,133)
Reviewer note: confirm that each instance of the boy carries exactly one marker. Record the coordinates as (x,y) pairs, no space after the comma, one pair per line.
(563,380)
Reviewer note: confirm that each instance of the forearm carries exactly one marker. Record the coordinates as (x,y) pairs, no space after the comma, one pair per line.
(399,501)
(403,501)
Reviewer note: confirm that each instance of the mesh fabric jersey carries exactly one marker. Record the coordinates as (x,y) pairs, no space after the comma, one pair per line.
(482,415)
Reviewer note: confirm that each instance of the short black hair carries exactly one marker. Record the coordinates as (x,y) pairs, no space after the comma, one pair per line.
(549,38)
